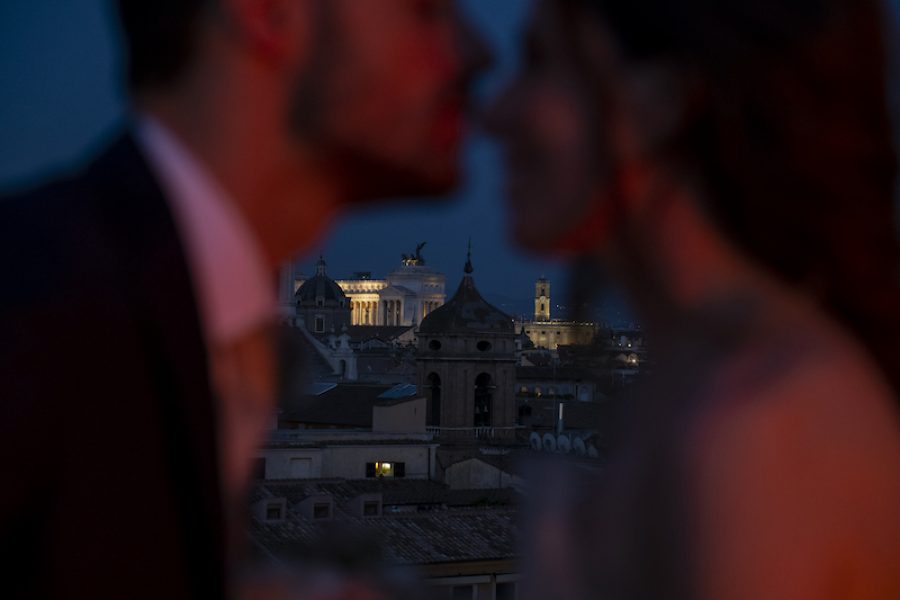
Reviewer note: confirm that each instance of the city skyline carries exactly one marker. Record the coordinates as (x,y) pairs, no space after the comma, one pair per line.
(609,308)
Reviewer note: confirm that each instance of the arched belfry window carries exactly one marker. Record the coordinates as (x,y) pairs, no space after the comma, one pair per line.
(483,400)
(434,403)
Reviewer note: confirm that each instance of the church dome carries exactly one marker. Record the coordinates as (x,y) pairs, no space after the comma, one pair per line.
(320,288)
(467,312)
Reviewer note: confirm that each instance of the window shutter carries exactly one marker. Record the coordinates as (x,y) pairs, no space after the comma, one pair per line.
(370,469)
(399,469)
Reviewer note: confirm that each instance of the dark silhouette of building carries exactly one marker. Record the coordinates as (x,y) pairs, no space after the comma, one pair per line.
(466,366)
(321,304)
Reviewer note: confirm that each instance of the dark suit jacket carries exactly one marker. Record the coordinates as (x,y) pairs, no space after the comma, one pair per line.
(109,481)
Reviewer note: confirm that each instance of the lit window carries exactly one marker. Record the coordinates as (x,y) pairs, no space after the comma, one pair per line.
(385,469)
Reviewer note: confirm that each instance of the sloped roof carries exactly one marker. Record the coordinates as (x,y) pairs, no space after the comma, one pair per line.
(344,405)
(386,368)
(406,538)
(394,491)
(363,333)
(467,312)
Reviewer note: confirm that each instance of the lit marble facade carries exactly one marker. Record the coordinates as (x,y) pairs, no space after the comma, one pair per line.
(553,334)
(405,297)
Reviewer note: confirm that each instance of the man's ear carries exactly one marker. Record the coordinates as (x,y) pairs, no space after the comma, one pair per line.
(276,31)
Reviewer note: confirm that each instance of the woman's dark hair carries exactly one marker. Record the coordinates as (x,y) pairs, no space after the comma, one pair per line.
(159,37)
(793,139)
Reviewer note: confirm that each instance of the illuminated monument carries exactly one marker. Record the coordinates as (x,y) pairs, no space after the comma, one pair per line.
(405,297)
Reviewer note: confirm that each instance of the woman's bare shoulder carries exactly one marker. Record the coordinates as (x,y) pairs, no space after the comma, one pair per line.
(801,394)
(805,379)
(798,461)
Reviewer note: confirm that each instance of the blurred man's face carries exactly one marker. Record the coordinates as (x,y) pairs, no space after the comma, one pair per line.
(386,94)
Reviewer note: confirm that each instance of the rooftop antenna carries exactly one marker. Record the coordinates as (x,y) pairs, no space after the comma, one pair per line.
(469,269)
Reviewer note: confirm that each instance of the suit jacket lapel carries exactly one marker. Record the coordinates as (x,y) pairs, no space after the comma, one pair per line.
(165,310)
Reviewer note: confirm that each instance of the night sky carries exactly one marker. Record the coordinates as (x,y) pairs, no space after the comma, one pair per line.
(60,92)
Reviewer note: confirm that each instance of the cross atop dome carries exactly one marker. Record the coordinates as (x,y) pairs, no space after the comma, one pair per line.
(469,269)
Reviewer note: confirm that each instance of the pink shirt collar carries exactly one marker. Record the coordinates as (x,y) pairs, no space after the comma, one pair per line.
(232,281)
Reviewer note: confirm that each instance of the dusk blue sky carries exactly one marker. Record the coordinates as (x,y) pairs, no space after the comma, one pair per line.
(60,93)
(60,82)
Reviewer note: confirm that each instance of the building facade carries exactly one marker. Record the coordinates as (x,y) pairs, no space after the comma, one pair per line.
(553,334)
(404,298)
(542,300)
(544,332)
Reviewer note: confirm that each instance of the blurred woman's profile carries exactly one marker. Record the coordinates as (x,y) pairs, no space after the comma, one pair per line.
(730,162)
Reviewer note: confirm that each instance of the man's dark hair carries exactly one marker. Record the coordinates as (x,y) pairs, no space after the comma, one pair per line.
(159,38)
(793,136)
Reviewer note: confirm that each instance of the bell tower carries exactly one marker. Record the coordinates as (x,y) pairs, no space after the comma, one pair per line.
(466,365)
(542,300)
